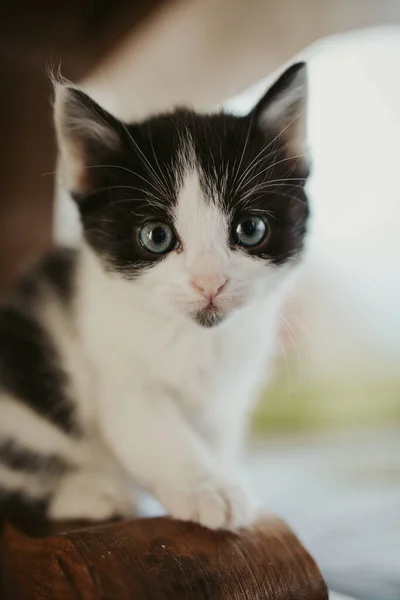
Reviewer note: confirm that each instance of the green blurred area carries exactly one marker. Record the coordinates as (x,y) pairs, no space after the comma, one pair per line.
(285,406)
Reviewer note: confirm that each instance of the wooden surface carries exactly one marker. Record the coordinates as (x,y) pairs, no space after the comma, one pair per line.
(158,559)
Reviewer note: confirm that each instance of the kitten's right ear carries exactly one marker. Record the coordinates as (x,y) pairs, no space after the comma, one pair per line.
(282,113)
(86,134)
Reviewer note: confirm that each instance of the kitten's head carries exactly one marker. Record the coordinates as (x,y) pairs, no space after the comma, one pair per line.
(201,214)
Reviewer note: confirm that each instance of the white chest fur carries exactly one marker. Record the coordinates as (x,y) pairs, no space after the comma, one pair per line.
(136,349)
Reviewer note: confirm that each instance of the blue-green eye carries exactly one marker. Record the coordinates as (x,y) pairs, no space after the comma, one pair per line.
(157,238)
(250,230)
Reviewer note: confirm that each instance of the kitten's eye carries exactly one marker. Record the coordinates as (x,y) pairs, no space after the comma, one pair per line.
(157,238)
(250,231)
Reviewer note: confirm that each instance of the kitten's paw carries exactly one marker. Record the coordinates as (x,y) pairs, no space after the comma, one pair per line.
(214,503)
(90,496)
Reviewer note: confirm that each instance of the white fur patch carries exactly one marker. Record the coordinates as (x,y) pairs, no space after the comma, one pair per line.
(92,496)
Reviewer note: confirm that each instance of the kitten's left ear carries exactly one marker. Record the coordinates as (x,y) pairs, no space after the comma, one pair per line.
(86,134)
(282,112)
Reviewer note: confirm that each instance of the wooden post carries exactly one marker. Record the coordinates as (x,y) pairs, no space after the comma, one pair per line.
(160,559)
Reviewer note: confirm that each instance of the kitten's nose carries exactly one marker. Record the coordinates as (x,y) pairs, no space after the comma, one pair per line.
(209,286)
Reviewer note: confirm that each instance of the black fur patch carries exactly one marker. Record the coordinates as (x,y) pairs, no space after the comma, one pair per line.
(208,317)
(30,367)
(21,509)
(58,269)
(14,456)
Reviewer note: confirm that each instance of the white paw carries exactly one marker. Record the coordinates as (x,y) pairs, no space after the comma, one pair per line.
(90,496)
(213,502)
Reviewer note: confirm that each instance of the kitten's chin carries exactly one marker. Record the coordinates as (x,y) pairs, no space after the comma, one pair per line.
(208,317)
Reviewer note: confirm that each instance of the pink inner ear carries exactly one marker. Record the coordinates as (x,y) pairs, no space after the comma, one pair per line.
(81,125)
(75,177)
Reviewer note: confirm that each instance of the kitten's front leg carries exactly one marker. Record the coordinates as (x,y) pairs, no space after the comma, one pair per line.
(159,449)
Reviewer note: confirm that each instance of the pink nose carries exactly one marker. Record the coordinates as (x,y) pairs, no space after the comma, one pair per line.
(209,286)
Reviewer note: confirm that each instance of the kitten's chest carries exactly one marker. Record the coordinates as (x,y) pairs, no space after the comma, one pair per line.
(210,367)
(201,367)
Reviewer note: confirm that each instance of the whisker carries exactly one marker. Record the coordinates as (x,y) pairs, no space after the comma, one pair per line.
(301,113)
(101,232)
(150,202)
(119,187)
(282,181)
(254,193)
(246,142)
(292,346)
(162,175)
(291,197)
(145,160)
(253,165)
(271,166)
(282,131)
(265,185)
(284,355)
(302,327)
(124,169)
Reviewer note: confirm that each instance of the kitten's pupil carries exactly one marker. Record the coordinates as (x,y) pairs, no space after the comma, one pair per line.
(250,231)
(158,235)
(249,227)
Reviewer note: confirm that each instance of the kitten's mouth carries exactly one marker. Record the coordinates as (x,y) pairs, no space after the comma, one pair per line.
(208,317)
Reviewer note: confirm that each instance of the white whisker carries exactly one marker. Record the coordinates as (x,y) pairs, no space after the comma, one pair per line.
(271,166)
(243,153)
(163,189)
(259,158)
(124,169)
(162,175)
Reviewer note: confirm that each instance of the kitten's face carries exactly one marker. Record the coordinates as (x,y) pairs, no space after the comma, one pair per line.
(203,215)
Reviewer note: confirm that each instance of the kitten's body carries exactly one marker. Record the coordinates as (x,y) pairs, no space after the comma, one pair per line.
(113,369)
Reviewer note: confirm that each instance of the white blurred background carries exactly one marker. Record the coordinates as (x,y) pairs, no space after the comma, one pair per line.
(342,347)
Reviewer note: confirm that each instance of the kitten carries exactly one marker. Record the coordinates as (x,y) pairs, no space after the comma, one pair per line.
(137,356)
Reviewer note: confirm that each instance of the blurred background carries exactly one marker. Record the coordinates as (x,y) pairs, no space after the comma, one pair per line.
(325,450)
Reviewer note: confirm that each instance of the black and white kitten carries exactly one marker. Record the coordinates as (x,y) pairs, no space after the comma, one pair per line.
(136,356)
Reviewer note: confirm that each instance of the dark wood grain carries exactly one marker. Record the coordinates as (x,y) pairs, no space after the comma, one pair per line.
(154,559)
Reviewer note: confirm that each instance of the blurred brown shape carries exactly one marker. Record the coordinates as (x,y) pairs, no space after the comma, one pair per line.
(158,559)
(33,37)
